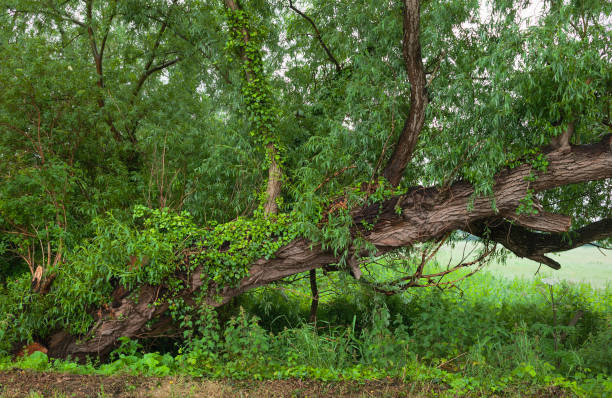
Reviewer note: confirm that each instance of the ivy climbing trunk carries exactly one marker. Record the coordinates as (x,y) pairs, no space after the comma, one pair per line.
(258,98)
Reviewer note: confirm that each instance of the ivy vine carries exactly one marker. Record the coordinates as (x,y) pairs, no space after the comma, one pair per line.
(246,40)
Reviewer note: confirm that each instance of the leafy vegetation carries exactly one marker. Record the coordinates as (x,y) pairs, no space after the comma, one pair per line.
(496,336)
(170,172)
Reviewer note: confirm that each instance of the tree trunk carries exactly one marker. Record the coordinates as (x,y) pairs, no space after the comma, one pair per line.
(420,215)
(274,187)
(314,291)
(275,174)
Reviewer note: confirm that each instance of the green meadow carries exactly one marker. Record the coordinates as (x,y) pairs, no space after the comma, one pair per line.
(585,264)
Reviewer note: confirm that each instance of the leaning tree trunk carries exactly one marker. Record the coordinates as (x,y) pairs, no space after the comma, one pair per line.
(425,214)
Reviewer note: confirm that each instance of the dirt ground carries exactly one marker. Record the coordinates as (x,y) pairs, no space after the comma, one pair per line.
(31,384)
(20,383)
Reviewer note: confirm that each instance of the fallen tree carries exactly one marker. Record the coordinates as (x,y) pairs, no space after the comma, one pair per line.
(485,148)
(426,214)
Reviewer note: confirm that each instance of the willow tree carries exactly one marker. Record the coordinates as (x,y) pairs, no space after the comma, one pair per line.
(360,127)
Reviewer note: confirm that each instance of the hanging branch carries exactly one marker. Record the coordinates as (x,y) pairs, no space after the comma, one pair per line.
(433,279)
(330,56)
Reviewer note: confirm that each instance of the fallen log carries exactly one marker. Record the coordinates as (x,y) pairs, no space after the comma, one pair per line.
(421,214)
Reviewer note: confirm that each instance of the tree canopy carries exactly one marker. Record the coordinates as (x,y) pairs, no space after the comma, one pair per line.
(209,147)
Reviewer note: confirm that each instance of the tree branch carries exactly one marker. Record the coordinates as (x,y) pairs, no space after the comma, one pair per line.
(92,41)
(533,245)
(64,17)
(411,48)
(162,29)
(151,71)
(97,56)
(330,56)
(418,279)
(223,74)
(108,27)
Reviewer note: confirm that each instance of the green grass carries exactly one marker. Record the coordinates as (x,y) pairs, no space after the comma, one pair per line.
(584,264)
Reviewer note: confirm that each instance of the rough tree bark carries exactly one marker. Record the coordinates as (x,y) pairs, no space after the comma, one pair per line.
(413,62)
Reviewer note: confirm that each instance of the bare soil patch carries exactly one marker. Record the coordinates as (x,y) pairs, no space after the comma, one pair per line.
(23,383)
(26,383)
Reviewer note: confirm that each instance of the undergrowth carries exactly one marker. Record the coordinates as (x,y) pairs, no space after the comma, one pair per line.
(493,336)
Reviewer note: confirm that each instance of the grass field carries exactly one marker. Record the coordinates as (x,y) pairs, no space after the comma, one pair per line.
(586,264)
